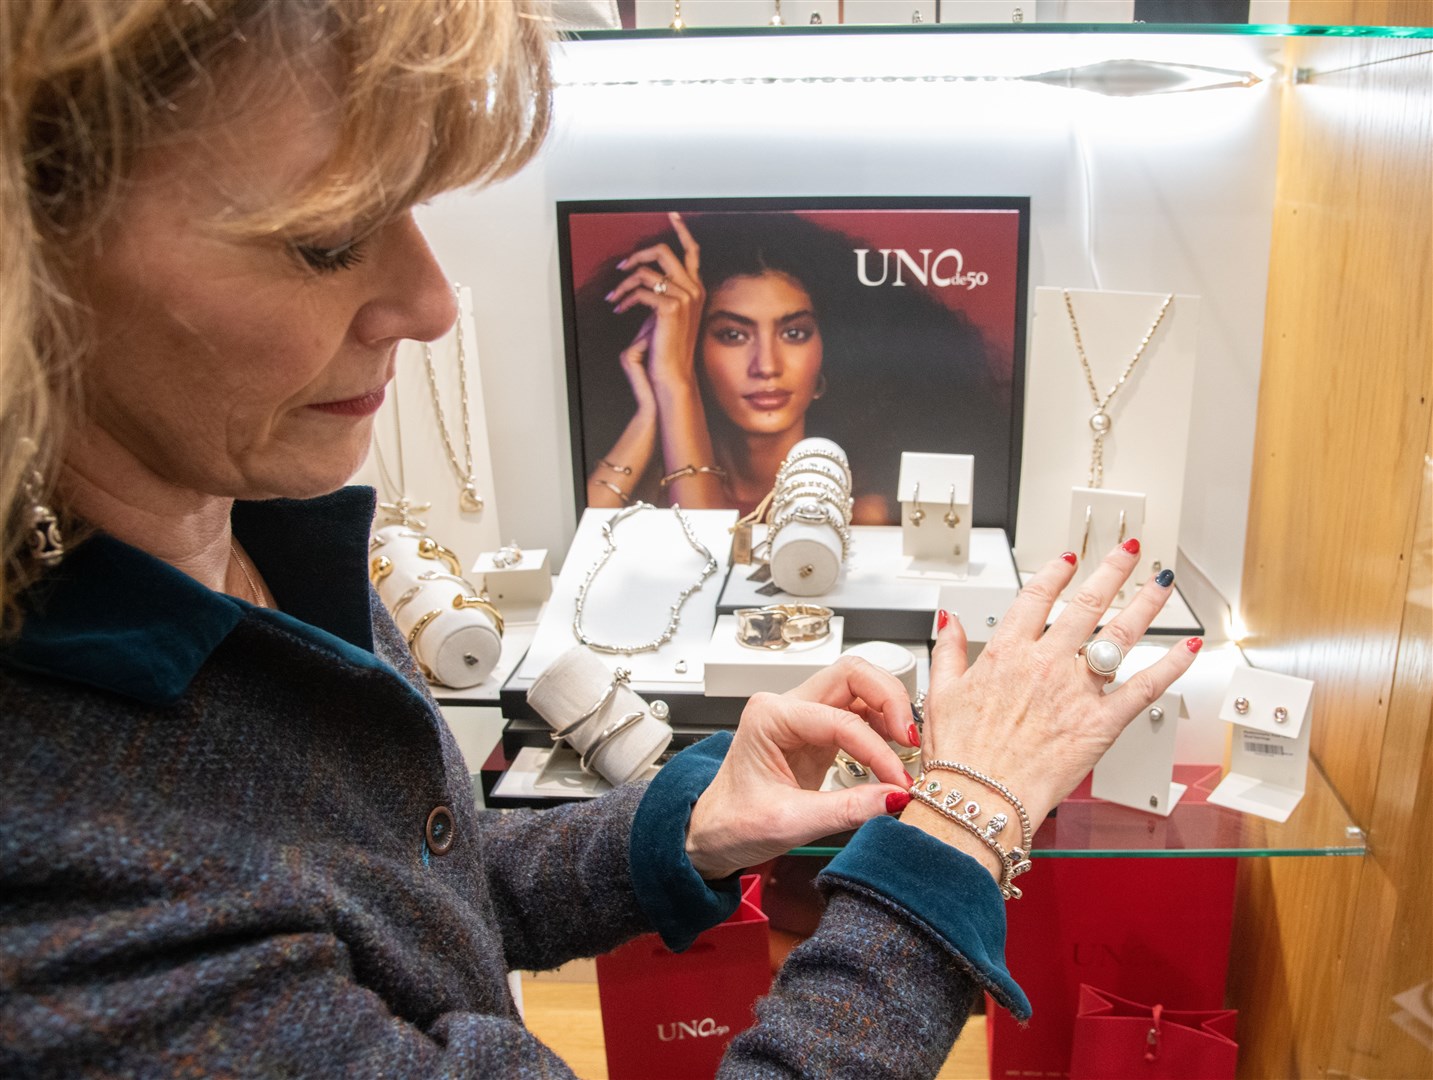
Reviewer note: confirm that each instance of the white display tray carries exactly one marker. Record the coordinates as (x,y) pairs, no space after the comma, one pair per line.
(630,598)
(884,598)
(737,670)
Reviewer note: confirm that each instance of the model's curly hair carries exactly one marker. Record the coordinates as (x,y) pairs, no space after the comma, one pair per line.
(434,95)
(903,371)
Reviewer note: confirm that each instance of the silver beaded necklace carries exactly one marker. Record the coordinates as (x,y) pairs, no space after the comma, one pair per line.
(610,545)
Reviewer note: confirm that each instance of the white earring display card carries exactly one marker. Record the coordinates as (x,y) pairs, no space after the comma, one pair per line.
(1100,519)
(1133,435)
(1138,770)
(935,492)
(1271,715)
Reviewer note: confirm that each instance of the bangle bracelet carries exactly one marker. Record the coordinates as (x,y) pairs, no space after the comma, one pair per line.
(584,762)
(463,602)
(619,678)
(626,499)
(1012,863)
(839,460)
(780,625)
(379,568)
(414,634)
(625,470)
(408,595)
(428,548)
(690,470)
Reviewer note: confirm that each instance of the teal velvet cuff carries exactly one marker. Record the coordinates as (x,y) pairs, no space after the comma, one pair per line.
(679,903)
(946,891)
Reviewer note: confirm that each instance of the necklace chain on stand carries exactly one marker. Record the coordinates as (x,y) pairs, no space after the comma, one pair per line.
(400,509)
(1100,422)
(469,501)
(609,527)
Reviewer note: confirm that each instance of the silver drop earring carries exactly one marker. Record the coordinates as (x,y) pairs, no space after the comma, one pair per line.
(917,515)
(952,519)
(46,545)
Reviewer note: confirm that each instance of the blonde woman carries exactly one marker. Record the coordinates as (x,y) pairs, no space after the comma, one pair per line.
(236,837)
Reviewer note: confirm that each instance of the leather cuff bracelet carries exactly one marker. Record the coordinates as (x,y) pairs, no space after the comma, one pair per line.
(780,625)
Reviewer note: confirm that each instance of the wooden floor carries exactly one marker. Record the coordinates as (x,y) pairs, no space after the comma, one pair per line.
(561,1009)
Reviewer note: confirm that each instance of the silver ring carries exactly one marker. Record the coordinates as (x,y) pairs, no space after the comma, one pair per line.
(507,555)
(661,287)
(1103,657)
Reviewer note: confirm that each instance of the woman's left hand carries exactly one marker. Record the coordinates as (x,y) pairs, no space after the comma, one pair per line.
(765,800)
(671,285)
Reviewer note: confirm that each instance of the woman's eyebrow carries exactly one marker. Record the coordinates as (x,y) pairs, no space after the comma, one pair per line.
(722,313)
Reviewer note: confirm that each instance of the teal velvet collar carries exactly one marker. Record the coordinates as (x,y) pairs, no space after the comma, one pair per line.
(113,617)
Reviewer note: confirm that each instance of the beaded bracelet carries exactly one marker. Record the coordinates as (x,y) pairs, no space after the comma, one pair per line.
(1014,862)
(1027,837)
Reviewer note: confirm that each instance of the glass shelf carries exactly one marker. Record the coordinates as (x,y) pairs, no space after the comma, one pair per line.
(1089,828)
(1029,28)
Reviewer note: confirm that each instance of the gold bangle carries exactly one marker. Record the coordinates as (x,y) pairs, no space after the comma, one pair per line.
(428,548)
(625,470)
(483,604)
(626,499)
(780,625)
(690,470)
(418,628)
(379,568)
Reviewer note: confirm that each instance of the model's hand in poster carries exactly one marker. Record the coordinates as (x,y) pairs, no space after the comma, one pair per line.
(660,365)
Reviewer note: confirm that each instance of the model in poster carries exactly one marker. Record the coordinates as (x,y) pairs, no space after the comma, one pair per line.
(755,332)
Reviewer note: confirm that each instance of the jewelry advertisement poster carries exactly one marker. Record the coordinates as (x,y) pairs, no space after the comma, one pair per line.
(705,338)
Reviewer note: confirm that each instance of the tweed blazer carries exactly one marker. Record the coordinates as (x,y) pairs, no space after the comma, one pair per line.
(238,841)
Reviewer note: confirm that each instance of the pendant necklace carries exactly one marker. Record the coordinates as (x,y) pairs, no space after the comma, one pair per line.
(1100,422)
(609,527)
(469,501)
(400,510)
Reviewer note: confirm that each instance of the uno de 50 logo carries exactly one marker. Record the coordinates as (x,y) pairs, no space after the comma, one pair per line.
(944,271)
(698,1029)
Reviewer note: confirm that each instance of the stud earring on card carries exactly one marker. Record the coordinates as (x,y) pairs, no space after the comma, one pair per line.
(1281,715)
(1241,705)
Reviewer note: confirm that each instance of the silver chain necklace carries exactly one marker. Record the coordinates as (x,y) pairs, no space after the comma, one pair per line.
(608,528)
(1100,422)
(400,510)
(469,501)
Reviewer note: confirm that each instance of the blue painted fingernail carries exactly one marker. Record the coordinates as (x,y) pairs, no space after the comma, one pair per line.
(1165,578)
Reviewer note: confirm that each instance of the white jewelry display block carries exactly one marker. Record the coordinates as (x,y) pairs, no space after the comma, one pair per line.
(937,490)
(806,559)
(630,600)
(736,670)
(1147,446)
(527,582)
(517,637)
(880,592)
(1269,758)
(1100,519)
(1138,770)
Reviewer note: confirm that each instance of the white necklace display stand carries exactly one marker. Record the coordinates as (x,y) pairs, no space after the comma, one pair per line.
(1146,449)
(631,597)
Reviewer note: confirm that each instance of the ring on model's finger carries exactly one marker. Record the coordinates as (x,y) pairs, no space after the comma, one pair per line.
(1102,656)
(660,288)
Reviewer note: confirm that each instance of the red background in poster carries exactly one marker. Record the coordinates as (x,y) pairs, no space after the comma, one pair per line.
(988,240)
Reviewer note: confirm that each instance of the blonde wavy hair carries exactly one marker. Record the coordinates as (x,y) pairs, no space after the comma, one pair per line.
(436,94)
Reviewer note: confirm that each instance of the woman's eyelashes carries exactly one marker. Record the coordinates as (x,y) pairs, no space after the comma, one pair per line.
(330,258)
(796,334)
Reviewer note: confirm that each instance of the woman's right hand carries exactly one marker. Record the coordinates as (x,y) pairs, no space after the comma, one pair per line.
(672,287)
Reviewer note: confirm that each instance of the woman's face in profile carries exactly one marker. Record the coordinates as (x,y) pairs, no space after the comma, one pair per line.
(247,367)
(761,351)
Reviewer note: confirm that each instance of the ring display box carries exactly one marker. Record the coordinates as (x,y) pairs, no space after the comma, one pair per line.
(737,670)
(935,492)
(1271,716)
(879,600)
(526,581)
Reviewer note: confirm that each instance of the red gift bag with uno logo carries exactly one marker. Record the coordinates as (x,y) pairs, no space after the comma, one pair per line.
(671,1015)
(1116,1039)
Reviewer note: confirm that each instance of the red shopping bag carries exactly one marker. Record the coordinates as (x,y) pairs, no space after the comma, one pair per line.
(671,1015)
(1116,1039)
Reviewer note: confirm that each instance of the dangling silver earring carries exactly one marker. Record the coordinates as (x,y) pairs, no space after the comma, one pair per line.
(47,546)
(1085,543)
(776,19)
(677,23)
(1121,540)
(917,515)
(952,519)
(820,390)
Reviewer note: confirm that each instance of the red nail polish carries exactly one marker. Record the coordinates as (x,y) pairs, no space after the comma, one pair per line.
(1131,545)
(941,619)
(913,736)
(909,779)
(897,801)
(1194,644)
(1069,557)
